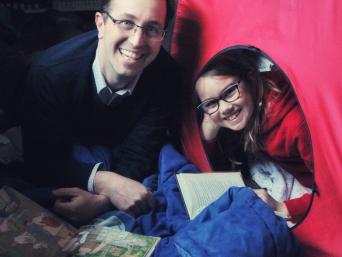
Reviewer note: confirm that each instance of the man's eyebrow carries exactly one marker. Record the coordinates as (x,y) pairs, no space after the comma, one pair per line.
(133,18)
(128,16)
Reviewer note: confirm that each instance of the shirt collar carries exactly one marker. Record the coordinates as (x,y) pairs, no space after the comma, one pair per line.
(101,83)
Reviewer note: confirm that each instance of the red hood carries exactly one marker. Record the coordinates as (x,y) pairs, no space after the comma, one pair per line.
(278,106)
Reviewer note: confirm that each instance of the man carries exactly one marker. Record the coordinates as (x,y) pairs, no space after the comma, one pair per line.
(97,109)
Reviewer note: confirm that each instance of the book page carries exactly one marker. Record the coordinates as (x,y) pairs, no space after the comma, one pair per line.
(201,189)
(27,229)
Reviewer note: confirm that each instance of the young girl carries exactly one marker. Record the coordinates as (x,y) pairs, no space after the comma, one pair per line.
(245,112)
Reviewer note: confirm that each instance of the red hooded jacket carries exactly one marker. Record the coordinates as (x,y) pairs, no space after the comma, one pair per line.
(285,139)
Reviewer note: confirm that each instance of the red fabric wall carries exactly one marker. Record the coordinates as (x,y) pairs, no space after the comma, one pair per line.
(305,39)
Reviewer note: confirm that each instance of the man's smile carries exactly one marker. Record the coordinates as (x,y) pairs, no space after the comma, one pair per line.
(130,55)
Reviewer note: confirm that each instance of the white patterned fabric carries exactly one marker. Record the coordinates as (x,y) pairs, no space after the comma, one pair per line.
(280,184)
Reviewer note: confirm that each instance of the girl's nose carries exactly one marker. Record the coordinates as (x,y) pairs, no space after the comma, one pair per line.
(225,107)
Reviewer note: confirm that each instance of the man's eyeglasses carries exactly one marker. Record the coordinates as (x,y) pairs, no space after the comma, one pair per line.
(230,94)
(151,32)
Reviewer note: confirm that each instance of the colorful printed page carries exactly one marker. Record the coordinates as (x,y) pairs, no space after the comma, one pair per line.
(27,229)
(96,241)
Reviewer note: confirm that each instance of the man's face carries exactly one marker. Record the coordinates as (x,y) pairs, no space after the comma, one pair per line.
(122,53)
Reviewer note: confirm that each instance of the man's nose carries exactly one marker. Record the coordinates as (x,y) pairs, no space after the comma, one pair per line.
(137,36)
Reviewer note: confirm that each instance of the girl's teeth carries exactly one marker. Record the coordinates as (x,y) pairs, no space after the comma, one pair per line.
(234,115)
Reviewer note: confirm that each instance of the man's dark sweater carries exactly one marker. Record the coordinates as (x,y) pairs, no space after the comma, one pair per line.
(62,108)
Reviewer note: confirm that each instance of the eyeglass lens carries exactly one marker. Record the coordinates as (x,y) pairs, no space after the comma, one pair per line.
(229,94)
(150,32)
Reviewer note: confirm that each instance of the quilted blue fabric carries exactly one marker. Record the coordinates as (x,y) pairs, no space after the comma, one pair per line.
(237,224)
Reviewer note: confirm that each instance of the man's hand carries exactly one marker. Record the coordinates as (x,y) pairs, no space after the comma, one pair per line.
(274,204)
(124,193)
(79,205)
(209,128)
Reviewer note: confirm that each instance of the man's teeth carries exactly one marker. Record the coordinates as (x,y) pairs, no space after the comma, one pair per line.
(130,54)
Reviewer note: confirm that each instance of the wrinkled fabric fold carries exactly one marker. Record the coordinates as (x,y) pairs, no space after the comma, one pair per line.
(237,224)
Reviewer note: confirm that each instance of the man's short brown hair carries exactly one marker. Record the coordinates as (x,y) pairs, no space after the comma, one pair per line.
(170,9)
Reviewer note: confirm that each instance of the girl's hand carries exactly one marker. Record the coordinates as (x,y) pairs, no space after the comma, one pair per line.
(274,204)
(209,128)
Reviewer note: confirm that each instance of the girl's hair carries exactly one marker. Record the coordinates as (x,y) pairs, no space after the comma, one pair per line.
(247,71)
(170,9)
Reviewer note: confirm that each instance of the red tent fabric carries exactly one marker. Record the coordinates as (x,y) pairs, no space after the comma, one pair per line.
(305,39)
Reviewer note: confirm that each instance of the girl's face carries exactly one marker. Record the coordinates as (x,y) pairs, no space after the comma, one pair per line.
(233,115)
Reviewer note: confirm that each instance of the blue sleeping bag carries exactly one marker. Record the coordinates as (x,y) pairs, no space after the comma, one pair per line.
(237,224)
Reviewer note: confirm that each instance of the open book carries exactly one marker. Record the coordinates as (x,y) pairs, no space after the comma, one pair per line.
(201,189)
(27,229)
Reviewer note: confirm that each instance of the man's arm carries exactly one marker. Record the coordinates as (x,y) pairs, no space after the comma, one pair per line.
(79,205)
(47,133)
(124,193)
(136,157)
(48,154)
(134,160)
(48,141)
